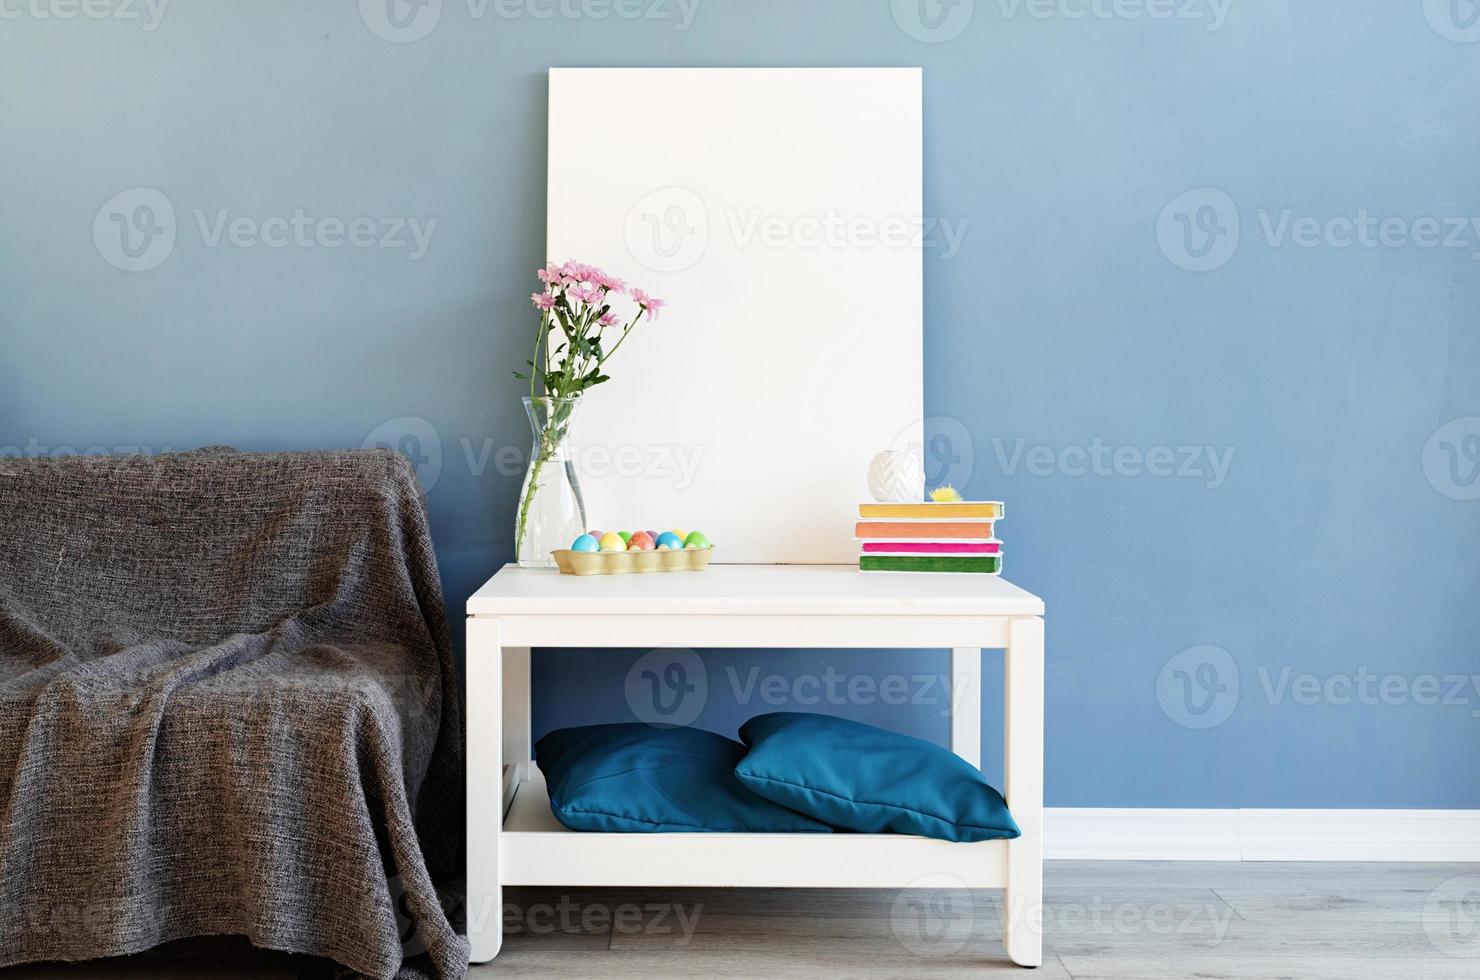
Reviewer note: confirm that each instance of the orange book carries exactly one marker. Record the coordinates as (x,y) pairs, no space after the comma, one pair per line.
(934,530)
(981,510)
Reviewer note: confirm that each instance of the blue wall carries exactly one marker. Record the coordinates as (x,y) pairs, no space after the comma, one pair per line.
(1288,618)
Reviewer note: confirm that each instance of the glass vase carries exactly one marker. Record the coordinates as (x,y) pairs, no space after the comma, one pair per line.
(551,512)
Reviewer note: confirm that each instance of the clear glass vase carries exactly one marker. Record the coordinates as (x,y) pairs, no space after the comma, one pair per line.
(551,512)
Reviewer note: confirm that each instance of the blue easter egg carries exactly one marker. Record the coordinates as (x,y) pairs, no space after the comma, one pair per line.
(668,541)
(585,543)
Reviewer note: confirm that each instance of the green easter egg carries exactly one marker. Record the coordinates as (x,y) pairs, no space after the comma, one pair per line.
(696,539)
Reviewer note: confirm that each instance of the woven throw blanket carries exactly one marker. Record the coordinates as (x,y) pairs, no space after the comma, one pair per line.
(228,706)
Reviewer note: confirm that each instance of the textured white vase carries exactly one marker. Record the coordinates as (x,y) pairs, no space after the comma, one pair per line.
(896,478)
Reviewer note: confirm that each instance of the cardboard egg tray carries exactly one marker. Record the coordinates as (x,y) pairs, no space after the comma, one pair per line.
(632,562)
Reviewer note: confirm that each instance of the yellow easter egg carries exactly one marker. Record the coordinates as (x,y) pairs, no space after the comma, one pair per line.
(612,541)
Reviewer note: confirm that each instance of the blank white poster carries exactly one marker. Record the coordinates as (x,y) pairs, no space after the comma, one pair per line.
(779,213)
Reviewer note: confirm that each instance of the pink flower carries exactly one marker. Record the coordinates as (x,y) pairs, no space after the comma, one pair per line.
(580,274)
(577,272)
(649,303)
(590,295)
(610,320)
(543,301)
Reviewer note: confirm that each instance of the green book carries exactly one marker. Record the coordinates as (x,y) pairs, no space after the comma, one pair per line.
(983,564)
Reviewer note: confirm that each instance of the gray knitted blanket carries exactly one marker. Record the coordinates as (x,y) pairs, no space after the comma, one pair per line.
(228,706)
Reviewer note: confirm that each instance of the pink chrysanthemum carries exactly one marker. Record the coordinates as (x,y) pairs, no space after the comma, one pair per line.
(590,295)
(649,303)
(579,272)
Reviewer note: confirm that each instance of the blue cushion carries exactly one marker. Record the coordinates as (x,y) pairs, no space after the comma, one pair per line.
(640,779)
(858,777)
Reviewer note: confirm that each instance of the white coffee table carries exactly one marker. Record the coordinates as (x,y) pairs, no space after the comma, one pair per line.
(513,839)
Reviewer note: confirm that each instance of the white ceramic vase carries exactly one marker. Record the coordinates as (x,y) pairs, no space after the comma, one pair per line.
(896,477)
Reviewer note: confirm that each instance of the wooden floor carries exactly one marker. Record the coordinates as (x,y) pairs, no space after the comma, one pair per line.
(1101,920)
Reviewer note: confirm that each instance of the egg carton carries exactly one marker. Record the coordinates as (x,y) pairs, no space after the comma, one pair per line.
(632,562)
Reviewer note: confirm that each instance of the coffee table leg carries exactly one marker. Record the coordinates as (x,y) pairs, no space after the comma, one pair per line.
(966,704)
(485,788)
(518,750)
(1022,899)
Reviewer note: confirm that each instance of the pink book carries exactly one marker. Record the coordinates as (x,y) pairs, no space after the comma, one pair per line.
(932,548)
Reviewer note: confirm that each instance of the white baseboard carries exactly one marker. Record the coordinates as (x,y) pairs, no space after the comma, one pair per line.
(1093,834)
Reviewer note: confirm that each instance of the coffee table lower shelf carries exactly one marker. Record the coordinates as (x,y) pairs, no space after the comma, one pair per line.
(535,849)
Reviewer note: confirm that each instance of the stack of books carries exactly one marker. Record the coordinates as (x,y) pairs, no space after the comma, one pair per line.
(953,536)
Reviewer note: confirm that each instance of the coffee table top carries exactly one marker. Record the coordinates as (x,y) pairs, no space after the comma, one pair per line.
(752,590)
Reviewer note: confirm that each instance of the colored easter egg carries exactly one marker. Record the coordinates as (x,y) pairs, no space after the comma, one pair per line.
(586,543)
(641,541)
(680,534)
(626,536)
(668,541)
(654,535)
(612,541)
(596,534)
(696,540)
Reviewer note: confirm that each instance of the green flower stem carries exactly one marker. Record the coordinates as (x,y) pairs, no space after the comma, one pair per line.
(551,437)
(534,365)
(534,486)
(620,340)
